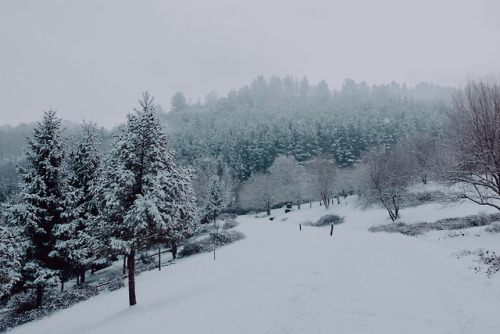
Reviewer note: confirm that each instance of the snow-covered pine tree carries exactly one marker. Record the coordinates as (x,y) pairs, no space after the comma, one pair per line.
(10,260)
(41,204)
(186,207)
(217,198)
(75,239)
(142,193)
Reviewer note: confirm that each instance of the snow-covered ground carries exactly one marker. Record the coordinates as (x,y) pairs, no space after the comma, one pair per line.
(282,280)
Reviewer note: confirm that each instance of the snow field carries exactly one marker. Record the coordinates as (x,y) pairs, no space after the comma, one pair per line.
(282,280)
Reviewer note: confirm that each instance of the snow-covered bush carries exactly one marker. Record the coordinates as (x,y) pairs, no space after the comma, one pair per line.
(21,302)
(115,282)
(229,224)
(419,198)
(328,220)
(493,228)
(206,244)
(399,227)
(195,247)
(226,238)
(439,225)
(22,305)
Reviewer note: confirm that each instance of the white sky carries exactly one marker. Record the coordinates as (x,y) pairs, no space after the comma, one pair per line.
(92,59)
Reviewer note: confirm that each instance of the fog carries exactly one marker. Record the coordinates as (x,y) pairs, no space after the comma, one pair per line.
(92,59)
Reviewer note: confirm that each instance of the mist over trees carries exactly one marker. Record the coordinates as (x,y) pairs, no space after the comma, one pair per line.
(250,127)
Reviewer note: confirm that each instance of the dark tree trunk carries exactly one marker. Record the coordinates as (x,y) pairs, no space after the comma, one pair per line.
(39,296)
(124,264)
(92,269)
(82,276)
(77,279)
(131,278)
(331,230)
(62,285)
(174,250)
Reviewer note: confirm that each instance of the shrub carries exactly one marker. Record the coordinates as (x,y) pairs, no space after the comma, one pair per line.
(439,225)
(493,228)
(226,238)
(22,309)
(327,221)
(206,244)
(115,282)
(192,248)
(229,224)
(423,197)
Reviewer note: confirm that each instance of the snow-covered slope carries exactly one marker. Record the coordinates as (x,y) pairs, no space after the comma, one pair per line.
(282,280)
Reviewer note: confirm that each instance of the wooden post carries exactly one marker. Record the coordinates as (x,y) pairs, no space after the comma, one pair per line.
(159,258)
(300,227)
(331,230)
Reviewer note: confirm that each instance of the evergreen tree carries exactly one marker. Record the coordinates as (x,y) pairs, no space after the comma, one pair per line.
(217,198)
(144,195)
(41,205)
(75,237)
(10,260)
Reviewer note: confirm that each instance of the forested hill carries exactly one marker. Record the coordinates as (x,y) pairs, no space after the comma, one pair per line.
(247,129)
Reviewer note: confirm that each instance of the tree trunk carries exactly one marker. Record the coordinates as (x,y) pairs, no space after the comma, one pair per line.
(39,296)
(78,279)
(62,285)
(174,250)
(124,264)
(216,237)
(82,276)
(131,278)
(331,230)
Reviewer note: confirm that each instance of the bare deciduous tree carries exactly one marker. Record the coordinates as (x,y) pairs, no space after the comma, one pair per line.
(389,173)
(290,180)
(474,132)
(323,173)
(259,192)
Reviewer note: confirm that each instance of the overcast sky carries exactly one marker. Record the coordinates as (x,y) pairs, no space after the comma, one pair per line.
(92,59)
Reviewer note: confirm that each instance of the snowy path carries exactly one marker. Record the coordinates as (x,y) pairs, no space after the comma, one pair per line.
(282,280)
